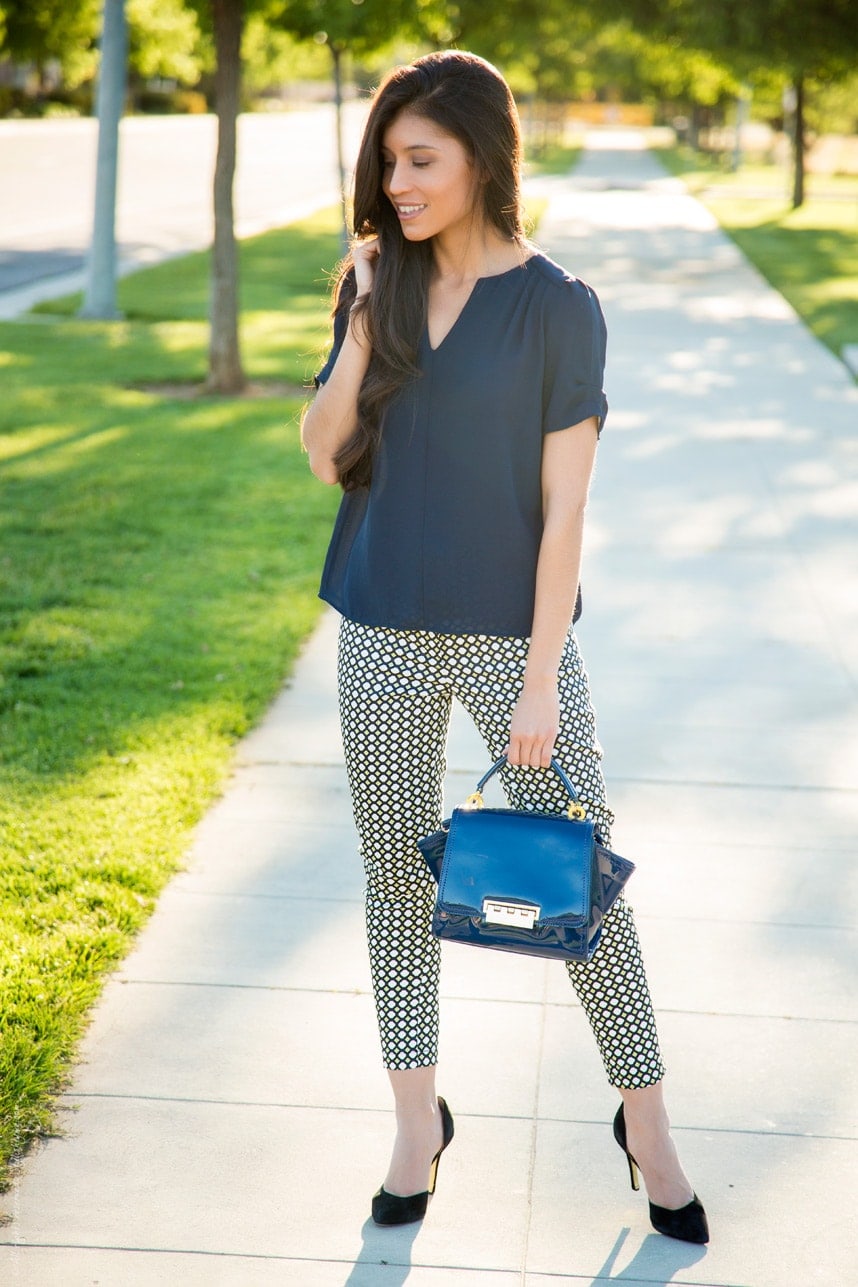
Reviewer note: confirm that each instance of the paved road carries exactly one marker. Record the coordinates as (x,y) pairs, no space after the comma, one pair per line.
(229,1120)
(47,178)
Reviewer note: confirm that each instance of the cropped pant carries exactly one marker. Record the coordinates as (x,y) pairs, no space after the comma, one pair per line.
(395,690)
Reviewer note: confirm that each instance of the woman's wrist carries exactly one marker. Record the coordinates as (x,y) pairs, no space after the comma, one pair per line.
(536,680)
(357,321)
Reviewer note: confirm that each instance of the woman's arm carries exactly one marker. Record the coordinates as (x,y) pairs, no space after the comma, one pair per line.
(567,465)
(331,418)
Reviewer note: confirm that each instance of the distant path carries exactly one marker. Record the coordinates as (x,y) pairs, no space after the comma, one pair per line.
(47,176)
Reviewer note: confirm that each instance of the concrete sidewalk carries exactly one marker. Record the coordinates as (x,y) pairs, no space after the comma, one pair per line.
(229,1120)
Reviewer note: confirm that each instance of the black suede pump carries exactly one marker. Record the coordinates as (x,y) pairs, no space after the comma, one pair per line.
(391,1208)
(687,1223)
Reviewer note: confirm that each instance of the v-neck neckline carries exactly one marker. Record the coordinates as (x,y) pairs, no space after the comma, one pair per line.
(456,320)
(492,277)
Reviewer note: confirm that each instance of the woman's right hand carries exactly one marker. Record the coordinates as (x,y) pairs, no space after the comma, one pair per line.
(365,257)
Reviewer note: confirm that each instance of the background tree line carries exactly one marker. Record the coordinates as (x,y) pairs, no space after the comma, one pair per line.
(684,57)
(676,54)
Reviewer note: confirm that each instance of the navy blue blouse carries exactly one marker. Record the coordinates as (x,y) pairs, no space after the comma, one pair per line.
(447,535)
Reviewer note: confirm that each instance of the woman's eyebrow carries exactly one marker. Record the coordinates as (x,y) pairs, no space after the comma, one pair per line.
(416,147)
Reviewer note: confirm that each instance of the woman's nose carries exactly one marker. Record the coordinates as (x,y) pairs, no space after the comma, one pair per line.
(396,180)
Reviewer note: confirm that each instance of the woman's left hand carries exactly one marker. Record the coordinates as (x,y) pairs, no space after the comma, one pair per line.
(534,727)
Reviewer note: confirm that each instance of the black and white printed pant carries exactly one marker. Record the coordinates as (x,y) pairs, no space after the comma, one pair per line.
(395,689)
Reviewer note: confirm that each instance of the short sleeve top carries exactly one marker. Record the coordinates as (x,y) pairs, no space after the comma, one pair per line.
(446,536)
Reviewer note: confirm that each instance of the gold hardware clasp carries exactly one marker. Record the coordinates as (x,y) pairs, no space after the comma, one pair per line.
(576,812)
(474,801)
(497,912)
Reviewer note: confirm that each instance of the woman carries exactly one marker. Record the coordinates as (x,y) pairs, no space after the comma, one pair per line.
(460,410)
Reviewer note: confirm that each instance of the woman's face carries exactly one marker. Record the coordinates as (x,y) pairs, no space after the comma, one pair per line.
(427,176)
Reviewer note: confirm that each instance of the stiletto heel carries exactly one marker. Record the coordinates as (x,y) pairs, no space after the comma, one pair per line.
(391,1208)
(687,1223)
(634,1173)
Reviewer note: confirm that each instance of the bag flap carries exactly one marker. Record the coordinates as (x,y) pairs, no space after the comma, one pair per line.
(543,859)
(614,871)
(433,847)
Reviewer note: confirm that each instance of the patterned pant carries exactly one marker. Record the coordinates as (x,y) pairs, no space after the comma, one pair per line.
(395,691)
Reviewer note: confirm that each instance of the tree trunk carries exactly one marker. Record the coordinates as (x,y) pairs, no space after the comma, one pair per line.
(225,371)
(100,291)
(798,143)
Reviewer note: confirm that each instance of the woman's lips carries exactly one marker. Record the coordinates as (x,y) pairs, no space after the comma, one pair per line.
(408,210)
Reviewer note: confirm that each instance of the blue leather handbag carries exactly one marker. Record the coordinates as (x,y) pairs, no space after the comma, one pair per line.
(517,881)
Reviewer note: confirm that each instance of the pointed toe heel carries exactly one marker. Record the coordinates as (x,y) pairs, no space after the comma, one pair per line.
(688,1223)
(390,1208)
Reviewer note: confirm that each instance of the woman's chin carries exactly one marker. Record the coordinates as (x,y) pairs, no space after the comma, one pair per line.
(410,233)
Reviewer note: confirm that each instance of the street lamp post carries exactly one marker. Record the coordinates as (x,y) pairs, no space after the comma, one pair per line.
(100,291)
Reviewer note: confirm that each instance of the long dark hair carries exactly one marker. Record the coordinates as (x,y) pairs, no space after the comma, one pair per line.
(468,98)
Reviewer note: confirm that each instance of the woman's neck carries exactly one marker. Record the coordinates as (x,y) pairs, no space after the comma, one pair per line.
(466,255)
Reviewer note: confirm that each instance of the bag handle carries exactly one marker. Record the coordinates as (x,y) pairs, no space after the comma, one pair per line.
(576,810)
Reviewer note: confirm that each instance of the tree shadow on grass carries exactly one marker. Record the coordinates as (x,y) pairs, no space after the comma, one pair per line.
(139,563)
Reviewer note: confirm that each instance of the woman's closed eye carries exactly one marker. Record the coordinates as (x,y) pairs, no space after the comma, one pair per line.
(418,165)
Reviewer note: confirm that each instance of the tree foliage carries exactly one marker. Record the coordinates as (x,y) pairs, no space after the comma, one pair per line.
(272,57)
(807,37)
(164,37)
(346,25)
(38,31)
(803,39)
(164,40)
(42,32)
(540,47)
(561,51)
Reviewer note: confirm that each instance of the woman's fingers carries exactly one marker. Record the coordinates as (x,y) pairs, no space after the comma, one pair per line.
(365,256)
(534,727)
(535,752)
(365,248)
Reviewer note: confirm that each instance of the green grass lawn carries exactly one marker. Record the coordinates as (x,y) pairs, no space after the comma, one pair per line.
(159,560)
(810,255)
(554,158)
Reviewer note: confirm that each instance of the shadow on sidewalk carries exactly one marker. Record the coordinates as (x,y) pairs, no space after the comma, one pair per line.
(379,1248)
(656,1262)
